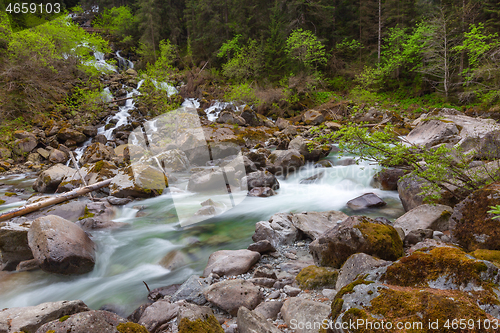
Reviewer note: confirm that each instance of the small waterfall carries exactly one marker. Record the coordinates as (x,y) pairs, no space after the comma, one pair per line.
(165,86)
(101,64)
(123,64)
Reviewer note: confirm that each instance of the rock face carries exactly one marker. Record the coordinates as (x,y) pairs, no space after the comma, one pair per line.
(311,150)
(253,322)
(279,230)
(14,244)
(313,117)
(29,319)
(314,224)
(260,179)
(356,234)
(367,200)
(425,216)
(227,262)
(49,180)
(286,161)
(471,225)
(230,295)
(297,312)
(100,321)
(157,314)
(357,264)
(60,246)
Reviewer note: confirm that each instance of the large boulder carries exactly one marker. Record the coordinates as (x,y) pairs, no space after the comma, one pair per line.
(253,322)
(142,181)
(58,156)
(14,246)
(92,173)
(66,134)
(311,150)
(279,230)
(282,123)
(435,217)
(367,200)
(471,225)
(260,179)
(98,320)
(356,264)
(229,262)
(354,235)
(97,152)
(24,145)
(303,315)
(48,180)
(230,295)
(29,319)
(433,132)
(314,224)
(286,161)
(158,314)
(313,117)
(387,179)
(194,318)
(229,117)
(60,246)
(192,290)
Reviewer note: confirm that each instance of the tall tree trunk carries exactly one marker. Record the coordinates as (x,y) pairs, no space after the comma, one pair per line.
(379,29)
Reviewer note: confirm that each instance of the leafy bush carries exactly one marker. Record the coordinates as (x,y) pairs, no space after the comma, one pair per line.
(303,47)
(244,61)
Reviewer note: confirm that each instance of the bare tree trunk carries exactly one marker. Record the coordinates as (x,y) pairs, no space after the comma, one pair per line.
(54,200)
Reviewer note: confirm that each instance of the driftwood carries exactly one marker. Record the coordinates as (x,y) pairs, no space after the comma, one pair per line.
(52,201)
(120,99)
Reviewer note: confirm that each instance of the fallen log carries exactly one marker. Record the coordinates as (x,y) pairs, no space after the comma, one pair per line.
(54,200)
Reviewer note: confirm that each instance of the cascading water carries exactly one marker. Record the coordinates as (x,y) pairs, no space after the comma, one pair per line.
(123,63)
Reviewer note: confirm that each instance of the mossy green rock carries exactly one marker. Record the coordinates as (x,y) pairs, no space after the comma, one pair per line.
(357,234)
(490,255)
(313,277)
(209,325)
(471,225)
(131,328)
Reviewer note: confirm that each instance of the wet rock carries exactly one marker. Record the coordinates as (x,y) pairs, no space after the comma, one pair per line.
(313,179)
(357,264)
(29,319)
(262,246)
(262,192)
(279,230)
(211,179)
(100,321)
(157,314)
(100,138)
(230,295)
(14,246)
(313,277)
(192,290)
(259,157)
(229,117)
(70,210)
(285,162)
(297,310)
(291,291)
(387,179)
(269,310)
(68,134)
(206,211)
(251,322)
(260,179)
(471,226)
(60,246)
(314,224)
(88,130)
(173,260)
(228,262)
(97,152)
(346,161)
(355,235)
(433,132)
(435,217)
(27,265)
(250,117)
(367,200)
(142,181)
(92,173)
(249,165)
(92,223)
(323,164)
(194,318)
(118,201)
(311,150)
(58,156)
(313,117)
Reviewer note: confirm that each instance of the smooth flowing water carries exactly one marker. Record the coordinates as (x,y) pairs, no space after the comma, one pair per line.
(128,256)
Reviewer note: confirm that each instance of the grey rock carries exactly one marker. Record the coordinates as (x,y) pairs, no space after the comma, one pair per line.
(425,216)
(416,236)
(173,260)
(264,272)
(299,310)
(314,224)
(313,117)
(158,314)
(285,162)
(49,180)
(292,291)
(252,322)
(262,246)
(262,192)
(60,246)
(58,156)
(260,179)
(230,295)
(279,230)
(282,123)
(229,117)
(346,161)
(367,200)
(311,150)
(192,290)
(100,321)
(29,319)
(433,132)
(269,310)
(387,179)
(356,264)
(228,262)
(262,281)
(14,246)
(118,201)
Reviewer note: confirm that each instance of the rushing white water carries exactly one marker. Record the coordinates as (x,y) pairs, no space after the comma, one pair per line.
(165,86)
(131,255)
(123,63)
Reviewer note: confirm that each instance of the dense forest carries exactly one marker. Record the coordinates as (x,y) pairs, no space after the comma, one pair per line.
(279,55)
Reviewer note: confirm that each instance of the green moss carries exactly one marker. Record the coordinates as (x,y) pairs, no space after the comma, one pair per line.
(63,318)
(2,202)
(489,255)
(384,240)
(131,328)
(420,268)
(10,194)
(86,214)
(313,277)
(338,302)
(210,325)
(98,166)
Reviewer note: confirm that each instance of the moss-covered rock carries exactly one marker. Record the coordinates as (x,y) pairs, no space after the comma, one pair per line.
(313,277)
(471,225)
(209,325)
(357,234)
(141,181)
(131,328)
(490,255)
